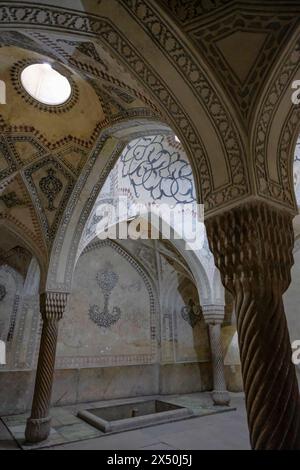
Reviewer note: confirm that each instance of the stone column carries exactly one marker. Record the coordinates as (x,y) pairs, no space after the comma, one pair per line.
(252,246)
(52,306)
(214,316)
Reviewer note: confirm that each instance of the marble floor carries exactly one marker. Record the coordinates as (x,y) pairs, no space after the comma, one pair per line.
(207,430)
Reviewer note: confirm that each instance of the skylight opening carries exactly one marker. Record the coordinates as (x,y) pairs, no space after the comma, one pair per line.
(45,84)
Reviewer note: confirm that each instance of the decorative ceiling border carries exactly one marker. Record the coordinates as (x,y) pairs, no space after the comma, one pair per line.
(9,131)
(266,187)
(12,139)
(5,151)
(187,12)
(248,21)
(97,73)
(286,148)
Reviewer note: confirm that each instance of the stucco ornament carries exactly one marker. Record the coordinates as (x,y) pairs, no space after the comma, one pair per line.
(153,169)
(191,313)
(50,185)
(2,292)
(107,281)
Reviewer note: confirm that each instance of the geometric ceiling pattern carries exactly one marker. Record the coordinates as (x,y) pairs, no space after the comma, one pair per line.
(187,11)
(43,149)
(241,43)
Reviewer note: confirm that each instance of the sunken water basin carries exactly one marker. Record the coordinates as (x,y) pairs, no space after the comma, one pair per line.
(133,415)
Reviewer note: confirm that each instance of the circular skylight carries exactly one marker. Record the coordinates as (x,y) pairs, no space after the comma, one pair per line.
(45,84)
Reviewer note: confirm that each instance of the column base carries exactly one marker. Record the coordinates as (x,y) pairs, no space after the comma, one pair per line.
(220,397)
(37,430)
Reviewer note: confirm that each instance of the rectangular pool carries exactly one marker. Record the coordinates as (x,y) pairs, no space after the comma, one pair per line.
(133,415)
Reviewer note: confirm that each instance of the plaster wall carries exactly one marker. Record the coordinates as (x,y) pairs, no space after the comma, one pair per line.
(93,333)
(124,333)
(291,301)
(73,386)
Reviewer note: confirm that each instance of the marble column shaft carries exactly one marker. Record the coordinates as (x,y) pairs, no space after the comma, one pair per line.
(52,306)
(214,316)
(252,246)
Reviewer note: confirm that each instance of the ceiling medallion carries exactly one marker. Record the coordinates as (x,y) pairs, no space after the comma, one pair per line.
(107,281)
(44,87)
(50,185)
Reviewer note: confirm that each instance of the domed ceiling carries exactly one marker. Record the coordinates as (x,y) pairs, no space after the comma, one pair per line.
(44,148)
(78,117)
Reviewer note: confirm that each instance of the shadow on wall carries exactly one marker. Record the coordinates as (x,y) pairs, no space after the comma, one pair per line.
(232,363)
(291,300)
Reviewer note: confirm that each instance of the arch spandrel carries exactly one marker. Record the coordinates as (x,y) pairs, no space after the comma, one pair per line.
(275,129)
(126,179)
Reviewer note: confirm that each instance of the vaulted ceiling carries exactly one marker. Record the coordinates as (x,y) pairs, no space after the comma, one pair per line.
(240,40)
(218,72)
(43,149)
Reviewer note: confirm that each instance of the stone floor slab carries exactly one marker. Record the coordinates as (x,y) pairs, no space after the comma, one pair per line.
(210,428)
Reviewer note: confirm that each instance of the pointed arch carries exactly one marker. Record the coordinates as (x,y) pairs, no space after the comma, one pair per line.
(274,130)
(105,153)
(28,244)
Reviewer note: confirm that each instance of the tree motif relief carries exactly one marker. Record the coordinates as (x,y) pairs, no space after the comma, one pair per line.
(2,292)
(191,313)
(107,281)
(50,186)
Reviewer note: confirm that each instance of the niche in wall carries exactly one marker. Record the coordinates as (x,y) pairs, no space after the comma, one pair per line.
(111,313)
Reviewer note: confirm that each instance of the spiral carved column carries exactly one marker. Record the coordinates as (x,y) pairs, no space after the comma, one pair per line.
(38,425)
(214,316)
(252,247)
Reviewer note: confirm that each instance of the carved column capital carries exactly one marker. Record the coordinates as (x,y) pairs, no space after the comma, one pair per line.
(213,314)
(52,305)
(253,244)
